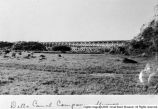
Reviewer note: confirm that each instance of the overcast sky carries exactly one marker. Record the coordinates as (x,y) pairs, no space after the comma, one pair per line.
(73,20)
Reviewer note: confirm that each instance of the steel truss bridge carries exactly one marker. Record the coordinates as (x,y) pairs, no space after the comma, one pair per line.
(86,45)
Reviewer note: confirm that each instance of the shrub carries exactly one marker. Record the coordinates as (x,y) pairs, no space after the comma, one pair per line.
(29,46)
(5,45)
(42,57)
(7,51)
(119,50)
(147,39)
(62,48)
(20,53)
(13,54)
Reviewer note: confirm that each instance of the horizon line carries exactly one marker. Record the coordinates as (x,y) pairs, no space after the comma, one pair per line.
(64,41)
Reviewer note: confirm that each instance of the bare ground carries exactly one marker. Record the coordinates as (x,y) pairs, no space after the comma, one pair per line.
(70,74)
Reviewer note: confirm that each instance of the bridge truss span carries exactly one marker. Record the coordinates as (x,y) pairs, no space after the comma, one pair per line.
(86,45)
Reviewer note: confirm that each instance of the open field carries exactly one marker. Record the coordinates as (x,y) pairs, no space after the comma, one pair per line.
(71,74)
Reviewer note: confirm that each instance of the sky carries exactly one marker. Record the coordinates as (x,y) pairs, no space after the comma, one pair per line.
(73,20)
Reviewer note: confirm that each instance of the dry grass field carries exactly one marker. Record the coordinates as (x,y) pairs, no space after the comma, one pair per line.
(71,74)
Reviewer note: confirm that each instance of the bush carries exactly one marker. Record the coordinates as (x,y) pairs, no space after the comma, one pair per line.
(42,57)
(119,50)
(29,46)
(147,40)
(7,51)
(62,48)
(5,45)
(13,54)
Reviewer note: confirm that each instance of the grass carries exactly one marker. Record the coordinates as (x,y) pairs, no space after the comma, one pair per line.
(71,74)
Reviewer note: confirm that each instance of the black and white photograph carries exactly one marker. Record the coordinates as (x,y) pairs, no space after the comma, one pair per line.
(78,47)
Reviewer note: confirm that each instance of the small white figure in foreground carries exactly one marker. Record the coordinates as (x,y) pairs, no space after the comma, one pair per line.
(144,76)
(149,77)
